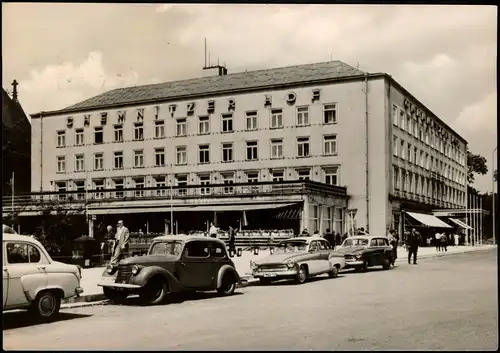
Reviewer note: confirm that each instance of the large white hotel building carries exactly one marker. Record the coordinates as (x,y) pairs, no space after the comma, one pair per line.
(311,146)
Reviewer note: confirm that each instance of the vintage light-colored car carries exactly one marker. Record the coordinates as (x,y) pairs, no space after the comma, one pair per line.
(32,280)
(363,251)
(174,264)
(299,259)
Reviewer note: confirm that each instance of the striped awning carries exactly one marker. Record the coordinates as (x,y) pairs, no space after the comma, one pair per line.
(428,220)
(460,223)
(289,213)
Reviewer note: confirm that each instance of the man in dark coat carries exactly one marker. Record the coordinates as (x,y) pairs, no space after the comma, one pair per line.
(413,241)
(338,239)
(232,240)
(330,238)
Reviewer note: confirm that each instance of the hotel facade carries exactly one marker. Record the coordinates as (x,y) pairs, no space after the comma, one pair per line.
(338,147)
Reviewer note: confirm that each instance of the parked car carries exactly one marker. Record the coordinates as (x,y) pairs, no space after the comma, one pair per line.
(174,264)
(365,251)
(299,259)
(32,280)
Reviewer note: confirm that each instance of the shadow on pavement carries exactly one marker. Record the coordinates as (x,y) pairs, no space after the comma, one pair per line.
(370,269)
(177,298)
(291,282)
(19,319)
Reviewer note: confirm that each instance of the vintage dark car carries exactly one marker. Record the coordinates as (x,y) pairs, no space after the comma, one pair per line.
(299,259)
(365,251)
(174,264)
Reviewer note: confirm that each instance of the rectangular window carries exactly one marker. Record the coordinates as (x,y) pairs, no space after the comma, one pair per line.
(98,185)
(61,164)
(181,127)
(332,176)
(118,133)
(99,161)
(228,179)
(138,159)
(203,125)
(98,135)
(139,184)
(276,118)
(79,137)
(251,119)
(159,129)
(403,180)
(395,145)
(119,160)
(409,153)
(330,145)
(303,146)
(252,151)
(253,177)
(227,152)
(204,154)
(276,148)
(79,163)
(61,188)
(205,180)
(329,114)
(427,161)
(395,172)
(119,187)
(160,157)
(159,183)
(395,115)
(138,131)
(402,119)
(415,154)
(403,151)
(415,128)
(408,123)
(181,155)
(426,137)
(422,161)
(313,218)
(339,219)
(80,186)
(227,122)
(304,174)
(61,138)
(181,181)
(302,116)
(278,175)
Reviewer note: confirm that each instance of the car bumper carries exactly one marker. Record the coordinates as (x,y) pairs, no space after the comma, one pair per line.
(119,285)
(271,275)
(78,291)
(353,263)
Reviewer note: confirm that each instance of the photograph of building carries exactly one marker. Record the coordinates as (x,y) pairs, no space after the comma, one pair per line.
(344,147)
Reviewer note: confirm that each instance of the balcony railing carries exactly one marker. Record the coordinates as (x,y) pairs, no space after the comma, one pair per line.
(184,192)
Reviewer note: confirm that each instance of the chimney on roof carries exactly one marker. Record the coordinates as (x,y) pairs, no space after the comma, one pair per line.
(213,70)
(14,90)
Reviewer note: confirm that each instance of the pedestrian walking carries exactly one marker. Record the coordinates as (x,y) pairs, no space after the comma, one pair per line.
(413,240)
(232,240)
(121,243)
(444,242)
(437,241)
(305,232)
(394,243)
(456,238)
(213,230)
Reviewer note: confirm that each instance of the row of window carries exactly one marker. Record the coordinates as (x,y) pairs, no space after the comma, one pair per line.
(227,149)
(181,129)
(412,154)
(331,176)
(427,136)
(407,181)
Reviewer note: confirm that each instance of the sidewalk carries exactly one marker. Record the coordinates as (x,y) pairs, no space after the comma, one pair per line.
(91,276)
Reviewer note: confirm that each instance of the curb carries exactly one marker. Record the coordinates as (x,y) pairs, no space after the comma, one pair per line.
(441,254)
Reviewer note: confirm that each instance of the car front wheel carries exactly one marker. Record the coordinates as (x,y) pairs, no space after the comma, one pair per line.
(46,305)
(334,272)
(386,264)
(154,292)
(228,285)
(114,295)
(302,275)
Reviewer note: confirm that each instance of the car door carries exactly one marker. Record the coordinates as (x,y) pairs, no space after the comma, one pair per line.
(218,257)
(23,275)
(325,250)
(314,258)
(195,270)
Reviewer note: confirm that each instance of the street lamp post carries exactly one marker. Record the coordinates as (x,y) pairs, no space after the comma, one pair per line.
(493,193)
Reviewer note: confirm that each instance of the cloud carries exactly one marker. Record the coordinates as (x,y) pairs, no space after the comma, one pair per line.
(444,55)
(57,86)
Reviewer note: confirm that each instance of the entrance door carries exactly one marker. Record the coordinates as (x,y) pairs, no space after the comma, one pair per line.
(194,269)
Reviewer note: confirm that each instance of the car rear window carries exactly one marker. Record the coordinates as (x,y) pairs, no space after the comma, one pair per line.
(196,249)
(217,251)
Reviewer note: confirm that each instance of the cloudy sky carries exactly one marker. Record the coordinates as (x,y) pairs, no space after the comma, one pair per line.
(445,55)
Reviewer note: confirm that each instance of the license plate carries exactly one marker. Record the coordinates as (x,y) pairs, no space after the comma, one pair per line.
(270,274)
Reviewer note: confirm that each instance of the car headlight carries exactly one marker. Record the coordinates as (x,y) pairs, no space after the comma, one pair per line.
(135,269)
(110,270)
(290,264)
(358,256)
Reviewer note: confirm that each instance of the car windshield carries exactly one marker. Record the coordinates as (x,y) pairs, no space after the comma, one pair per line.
(355,242)
(166,248)
(291,246)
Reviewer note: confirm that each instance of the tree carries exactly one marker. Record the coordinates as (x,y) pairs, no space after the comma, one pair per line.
(60,225)
(476,164)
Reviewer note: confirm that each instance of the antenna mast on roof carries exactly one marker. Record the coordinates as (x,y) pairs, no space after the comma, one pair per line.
(221,69)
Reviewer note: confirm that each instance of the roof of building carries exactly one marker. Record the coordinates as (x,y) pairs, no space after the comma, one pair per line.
(217,84)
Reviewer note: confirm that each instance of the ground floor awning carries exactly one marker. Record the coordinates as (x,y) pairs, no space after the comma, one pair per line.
(428,220)
(460,223)
(191,208)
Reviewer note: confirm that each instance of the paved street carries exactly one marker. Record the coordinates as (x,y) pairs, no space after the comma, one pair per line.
(443,303)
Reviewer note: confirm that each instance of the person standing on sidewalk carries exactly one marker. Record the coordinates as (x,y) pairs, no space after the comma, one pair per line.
(456,237)
(121,244)
(437,241)
(444,242)
(213,230)
(394,243)
(413,242)
(232,240)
